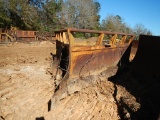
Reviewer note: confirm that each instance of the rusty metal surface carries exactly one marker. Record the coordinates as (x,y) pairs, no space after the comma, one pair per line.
(92,61)
(91,31)
(29,34)
(15,35)
(147,61)
(134,49)
(88,59)
(26,36)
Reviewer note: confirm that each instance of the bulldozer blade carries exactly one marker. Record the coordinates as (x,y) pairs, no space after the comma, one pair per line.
(146,62)
(77,58)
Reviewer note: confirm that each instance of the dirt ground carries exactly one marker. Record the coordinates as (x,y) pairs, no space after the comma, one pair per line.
(26,88)
(25,81)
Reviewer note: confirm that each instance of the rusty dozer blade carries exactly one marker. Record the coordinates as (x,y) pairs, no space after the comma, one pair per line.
(77,58)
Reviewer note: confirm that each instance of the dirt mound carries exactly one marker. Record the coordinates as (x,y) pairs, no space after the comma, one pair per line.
(94,102)
(95,98)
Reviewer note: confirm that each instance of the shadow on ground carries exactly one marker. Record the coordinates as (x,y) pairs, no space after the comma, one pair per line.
(145,90)
(141,78)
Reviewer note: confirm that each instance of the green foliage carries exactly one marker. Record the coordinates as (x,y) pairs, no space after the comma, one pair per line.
(79,35)
(50,15)
(31,14)
(115,24)
(47,15)
(80,14)
(4,19)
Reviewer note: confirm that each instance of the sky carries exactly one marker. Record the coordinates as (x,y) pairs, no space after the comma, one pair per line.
(146,12)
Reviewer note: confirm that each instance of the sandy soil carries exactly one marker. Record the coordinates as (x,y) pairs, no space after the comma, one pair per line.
(26,84)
